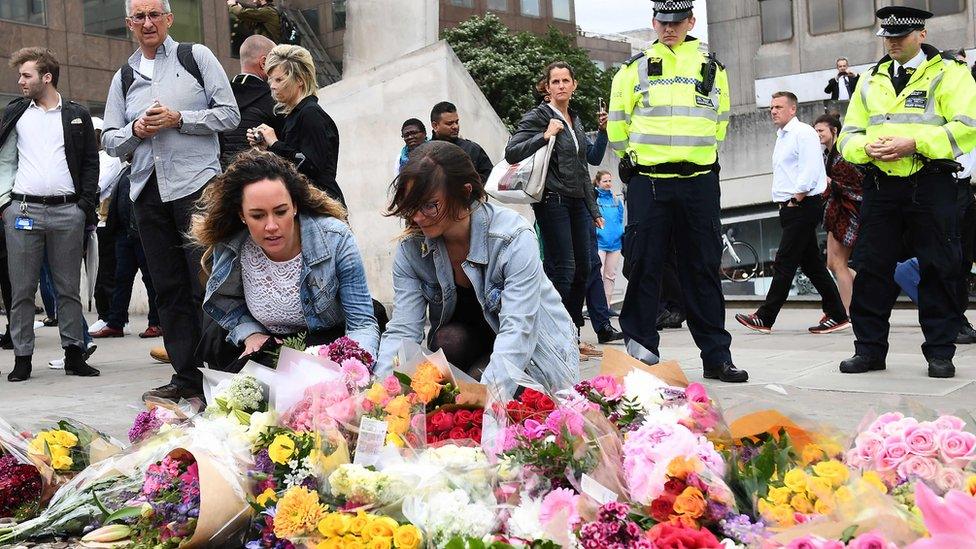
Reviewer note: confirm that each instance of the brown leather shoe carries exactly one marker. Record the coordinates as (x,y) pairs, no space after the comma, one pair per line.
(160,354)
(171,391)
(586,349)
(108,331)
(151,331)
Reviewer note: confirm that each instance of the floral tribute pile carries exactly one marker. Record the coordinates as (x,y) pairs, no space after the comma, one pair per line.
(319,453)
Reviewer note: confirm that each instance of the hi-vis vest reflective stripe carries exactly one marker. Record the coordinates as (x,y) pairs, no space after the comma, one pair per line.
(658,116)
(937,109)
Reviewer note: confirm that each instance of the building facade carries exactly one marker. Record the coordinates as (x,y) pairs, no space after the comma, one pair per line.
(793,45)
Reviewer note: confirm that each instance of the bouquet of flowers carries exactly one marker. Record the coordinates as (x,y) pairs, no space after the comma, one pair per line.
(693,496)
(446,515)
(327,405)
(613,528)
(20,488)
(388,401)
(361,487)
(804,492)
(338,529)
(903,449)
(240,395)
(70,446)
(454,423)
(868,540)
(341,350)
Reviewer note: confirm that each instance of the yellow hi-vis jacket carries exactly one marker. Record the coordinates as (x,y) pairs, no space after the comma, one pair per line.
(656,114)
(937,109)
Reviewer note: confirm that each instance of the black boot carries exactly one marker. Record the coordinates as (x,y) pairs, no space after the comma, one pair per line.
(859,364)
(5,341)
(726,372)
(941,368)
(967,335)
(608,334)
(22,369)
(75,365)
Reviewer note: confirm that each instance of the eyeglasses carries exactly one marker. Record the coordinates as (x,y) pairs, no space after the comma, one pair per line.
(140,18)
(429,209)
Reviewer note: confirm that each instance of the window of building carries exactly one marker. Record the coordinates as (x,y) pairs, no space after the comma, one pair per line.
(498,5)
(462,3)
(532,8)
(187,20)
(836,15)
(105,17)
(311,16)
(23,11)
(776,17)
(562,10)
(338,14)
(937,7)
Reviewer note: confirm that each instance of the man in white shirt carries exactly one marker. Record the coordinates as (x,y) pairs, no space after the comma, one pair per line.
(842,86)
(799,180)
(49,167)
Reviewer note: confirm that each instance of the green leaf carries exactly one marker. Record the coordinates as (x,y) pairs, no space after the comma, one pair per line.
(848,534)
(124,513)
(98,504)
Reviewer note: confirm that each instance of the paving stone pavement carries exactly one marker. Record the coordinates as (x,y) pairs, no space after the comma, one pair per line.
(789,369)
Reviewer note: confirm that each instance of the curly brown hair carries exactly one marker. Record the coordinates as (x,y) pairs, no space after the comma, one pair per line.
(218,211)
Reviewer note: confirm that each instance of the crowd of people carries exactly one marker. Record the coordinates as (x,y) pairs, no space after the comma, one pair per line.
(224,194)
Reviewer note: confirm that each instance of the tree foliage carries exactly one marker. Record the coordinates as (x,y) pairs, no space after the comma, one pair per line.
(507,65)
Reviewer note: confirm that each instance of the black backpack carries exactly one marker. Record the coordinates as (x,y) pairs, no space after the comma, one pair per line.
(184,54)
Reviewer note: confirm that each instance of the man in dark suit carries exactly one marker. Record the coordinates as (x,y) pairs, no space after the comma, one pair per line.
(446,126)
(49,192)
(841,87)
(253,97)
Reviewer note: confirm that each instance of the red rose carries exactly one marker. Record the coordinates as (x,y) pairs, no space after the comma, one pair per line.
(441,421)
(668,536)
(474,434)
(662,507)
(463,418)
(458,433)
(675,486)
(478,418)
(515,411)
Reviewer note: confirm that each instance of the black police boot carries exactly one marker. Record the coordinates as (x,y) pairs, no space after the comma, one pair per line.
(22,369)
(726,372)
(5,341)
(967,334)
(674,320)
(75,365)
(941,368)
(608,334)
(859,364)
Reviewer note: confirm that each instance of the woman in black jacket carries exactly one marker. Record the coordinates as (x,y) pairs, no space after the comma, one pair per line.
(310,137)
(568,207)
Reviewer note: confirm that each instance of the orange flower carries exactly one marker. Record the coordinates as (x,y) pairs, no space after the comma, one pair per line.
(399,407)
(690,503)
(426,390)
(428,372)
(681,466)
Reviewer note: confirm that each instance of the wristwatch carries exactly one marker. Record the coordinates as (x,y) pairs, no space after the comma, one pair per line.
(179,125)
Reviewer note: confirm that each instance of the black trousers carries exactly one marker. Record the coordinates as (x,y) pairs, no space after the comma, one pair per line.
(174,265)
(687,208)
(927,207)
(798,249)
(967,229)
(565,225)
(105,280)
(672,299)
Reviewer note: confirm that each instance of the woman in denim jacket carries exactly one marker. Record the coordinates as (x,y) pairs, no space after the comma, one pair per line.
(293,267)
(473,269)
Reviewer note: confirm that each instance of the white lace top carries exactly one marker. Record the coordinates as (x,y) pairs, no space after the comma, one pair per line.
(271,289)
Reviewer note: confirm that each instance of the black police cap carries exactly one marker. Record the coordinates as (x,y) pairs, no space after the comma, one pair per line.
(671,11)
(900,20)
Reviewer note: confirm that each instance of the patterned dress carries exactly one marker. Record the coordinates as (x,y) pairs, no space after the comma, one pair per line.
(842,217)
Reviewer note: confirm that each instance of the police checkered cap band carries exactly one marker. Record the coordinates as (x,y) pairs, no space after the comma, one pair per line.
(671,6)
(893,21)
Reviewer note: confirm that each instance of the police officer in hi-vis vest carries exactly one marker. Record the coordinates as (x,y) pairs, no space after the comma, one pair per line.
(668,112)
(908,119)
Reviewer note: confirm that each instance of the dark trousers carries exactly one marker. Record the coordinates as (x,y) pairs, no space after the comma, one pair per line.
(596,297)
(174,265)
(671,296)
(798,249)
(927,207)
(129,259)
(687,208)
(105,280)
(565,224)
(967,239)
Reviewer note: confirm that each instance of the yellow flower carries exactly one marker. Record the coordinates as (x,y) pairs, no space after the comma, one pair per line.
(818,487)
(970,484)
(779,495)
(764,506)
(358,523)
(266,496)
(427,372)
(824,505)
(782,515)
(801,503)
(334,525)
(282,447)
(380,543)
(811,452)
(61,462)
(64,438)
(333,543)
(833,471)
(831,449)
(380,527)
(874,479)
(407,536)
(394,439)
(352,542)
(399,406)
(397,424)
(298,513)
(376,393)
(796,480)
(426,390)
(844,494)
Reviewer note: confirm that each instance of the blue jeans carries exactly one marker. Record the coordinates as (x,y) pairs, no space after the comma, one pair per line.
(596,297)
(129,258)
(565,225)
(50,297)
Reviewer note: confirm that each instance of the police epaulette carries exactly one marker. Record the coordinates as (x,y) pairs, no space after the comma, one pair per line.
(634,58)
(950,56)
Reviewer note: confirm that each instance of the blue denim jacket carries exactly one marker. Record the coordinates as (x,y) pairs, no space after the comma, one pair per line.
(535,333)
(333,285)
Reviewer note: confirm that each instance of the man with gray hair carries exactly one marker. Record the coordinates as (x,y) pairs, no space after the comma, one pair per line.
(165,107)
(253,97)
(842,86)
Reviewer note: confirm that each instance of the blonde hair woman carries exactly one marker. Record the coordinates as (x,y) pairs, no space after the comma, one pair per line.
(310,137)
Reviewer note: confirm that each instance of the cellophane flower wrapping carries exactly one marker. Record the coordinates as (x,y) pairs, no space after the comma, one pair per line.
(21,483)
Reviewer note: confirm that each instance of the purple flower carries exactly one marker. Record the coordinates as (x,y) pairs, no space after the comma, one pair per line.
(145,425)
(344,348)
(263,463)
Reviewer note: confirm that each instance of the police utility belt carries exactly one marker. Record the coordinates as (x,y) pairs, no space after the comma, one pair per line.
(629,169)
(939,166)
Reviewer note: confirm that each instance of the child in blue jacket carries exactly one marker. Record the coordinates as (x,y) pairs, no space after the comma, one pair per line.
(609,238)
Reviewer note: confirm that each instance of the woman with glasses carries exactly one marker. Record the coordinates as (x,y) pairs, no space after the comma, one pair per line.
(310,137)
(473,270)
(281,261)
(568,209)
